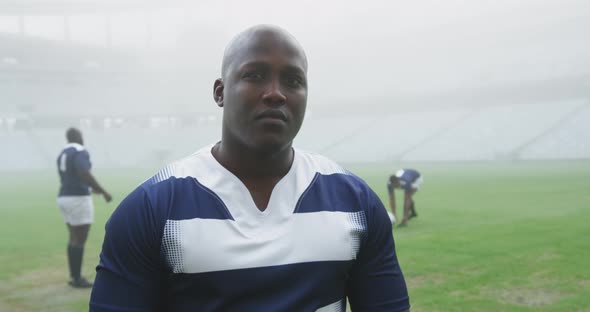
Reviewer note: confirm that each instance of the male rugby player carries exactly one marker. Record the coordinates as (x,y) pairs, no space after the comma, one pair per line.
(74,201)
(250,223)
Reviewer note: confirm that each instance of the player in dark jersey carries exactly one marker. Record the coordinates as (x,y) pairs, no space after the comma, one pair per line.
(250,223)
(409,180)
(74,201)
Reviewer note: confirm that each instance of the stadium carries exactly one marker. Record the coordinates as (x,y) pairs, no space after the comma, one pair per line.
(495,115)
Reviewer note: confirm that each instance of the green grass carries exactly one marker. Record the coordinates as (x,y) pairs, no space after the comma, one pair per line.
(489,237)
(33,267)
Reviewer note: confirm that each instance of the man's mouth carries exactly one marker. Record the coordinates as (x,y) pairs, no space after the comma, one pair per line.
(273,114)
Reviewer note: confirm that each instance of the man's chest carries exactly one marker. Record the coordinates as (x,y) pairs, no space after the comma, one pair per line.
(207,245)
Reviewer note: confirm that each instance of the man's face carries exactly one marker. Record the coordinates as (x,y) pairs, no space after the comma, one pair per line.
(264,92)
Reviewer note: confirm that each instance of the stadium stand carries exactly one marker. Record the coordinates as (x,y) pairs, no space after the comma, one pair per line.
(20,152)
(374,138)
(123,147)
(317,134)
(559,130)
(569,140)
(117,99)
(493,133)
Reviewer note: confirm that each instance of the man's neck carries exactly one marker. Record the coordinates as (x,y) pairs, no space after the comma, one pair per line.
(251,164)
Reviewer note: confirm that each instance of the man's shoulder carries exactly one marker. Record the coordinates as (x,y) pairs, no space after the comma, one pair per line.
(407,172)
(182,168)
(324,166)
(73,148)
(413,171)
(182,188)
(331,187)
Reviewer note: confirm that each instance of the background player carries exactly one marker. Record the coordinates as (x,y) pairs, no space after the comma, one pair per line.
(409,180)
(74,201)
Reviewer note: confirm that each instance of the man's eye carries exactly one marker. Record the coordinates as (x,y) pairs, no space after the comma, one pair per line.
(294,81)
(253,75)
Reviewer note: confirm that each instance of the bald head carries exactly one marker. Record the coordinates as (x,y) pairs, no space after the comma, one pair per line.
(263,90)
(256,38)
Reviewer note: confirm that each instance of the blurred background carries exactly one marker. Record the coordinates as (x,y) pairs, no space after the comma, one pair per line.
(389,80)
(489,100)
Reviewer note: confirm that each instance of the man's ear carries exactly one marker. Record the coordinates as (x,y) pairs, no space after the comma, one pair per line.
(218,92)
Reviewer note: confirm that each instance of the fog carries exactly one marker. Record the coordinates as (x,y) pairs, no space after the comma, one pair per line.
(408,80)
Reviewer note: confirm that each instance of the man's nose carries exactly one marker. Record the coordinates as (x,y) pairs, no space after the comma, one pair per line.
(273,94)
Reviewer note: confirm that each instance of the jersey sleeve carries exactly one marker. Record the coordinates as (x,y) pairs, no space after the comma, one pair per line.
(129,274)
(82,161)
(376,280)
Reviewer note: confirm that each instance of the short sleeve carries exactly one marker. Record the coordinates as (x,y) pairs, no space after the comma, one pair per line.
(82,161)
(376,281)
(129,274)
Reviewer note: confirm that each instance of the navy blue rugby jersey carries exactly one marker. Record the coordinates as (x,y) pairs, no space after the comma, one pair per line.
(408,179)
(73,159)
(192,239)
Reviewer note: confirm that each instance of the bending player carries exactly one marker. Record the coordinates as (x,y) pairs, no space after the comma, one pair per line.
(409,180)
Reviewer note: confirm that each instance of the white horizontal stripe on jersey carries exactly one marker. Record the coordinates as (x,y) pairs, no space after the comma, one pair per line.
(208,245)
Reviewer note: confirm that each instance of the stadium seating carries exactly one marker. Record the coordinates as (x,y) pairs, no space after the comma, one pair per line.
(373,137)
(21,152)
(493,133)
(570,140)
(559,130)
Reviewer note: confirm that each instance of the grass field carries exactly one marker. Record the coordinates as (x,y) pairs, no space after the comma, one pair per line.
(489,237)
